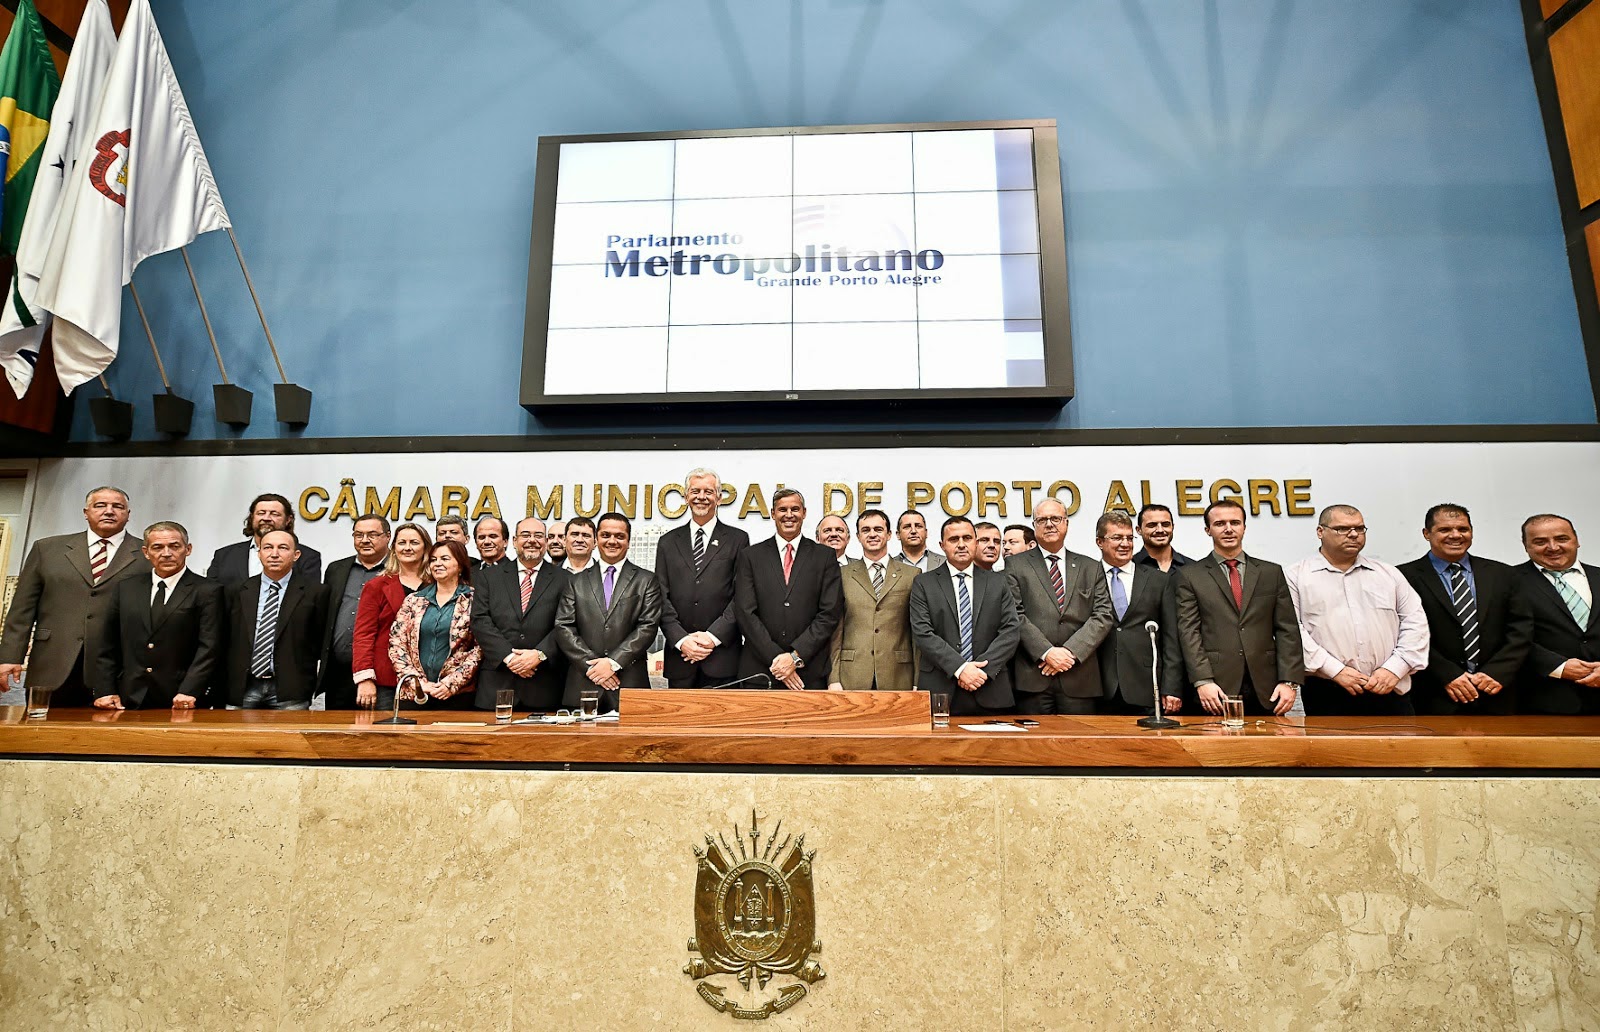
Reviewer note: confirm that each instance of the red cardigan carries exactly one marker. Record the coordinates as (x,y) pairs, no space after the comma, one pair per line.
(369,647)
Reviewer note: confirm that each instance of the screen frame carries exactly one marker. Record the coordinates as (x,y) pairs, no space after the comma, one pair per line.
(1054,310)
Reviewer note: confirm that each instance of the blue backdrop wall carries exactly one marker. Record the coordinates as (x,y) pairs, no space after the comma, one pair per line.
(1279,213)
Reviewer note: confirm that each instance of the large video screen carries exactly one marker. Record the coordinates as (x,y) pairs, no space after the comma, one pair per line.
(829,263)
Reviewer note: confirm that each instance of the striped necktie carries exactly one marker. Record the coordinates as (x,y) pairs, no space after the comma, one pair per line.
(527,588)
(964,611)
(1466,608)
(1056,583)
(1575,603)
(266,633)
(98,561)
(877,579)
(699,554)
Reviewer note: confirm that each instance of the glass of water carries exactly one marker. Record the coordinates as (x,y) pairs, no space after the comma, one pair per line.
(589,700)
(1233,711)
(504,700)
(940,701)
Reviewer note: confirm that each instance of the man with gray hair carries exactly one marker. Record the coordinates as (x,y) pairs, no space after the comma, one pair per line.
(163,633)
(695,565)
(1361,622)
(62,595)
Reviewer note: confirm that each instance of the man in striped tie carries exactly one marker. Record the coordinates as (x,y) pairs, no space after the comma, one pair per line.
(1562,674)
(1479,625)
(275,624)
(966,627)
(62,597)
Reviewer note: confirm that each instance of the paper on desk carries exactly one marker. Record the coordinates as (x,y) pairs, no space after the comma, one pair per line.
(990,727)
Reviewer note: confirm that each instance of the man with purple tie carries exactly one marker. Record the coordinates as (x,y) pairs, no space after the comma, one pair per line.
(607,618)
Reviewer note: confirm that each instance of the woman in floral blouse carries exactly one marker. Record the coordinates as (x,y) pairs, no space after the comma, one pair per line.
(432,634)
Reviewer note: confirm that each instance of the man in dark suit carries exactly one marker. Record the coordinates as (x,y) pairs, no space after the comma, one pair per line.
(1066,614)
(341,597)
(695,565)
(965,624)
(1139,595)
(62,595)
(514,620)
(241,561)
(492,537)
(275,625)
(162,634)
(1562,672)
(1479,626)
(787,596)
(1154,524)
(608,617)
(1237,622)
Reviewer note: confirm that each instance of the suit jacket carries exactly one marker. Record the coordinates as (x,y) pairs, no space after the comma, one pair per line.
(296,647)
(873,640)
(369,647)
(501,626)
(1081,626)
(459,673)
(59,605)
(335,678)
(795,617)
(586,629)
(1505,630)
(1222,643)
(1126,658)
(147,658)
(1556,639)
(935,560)
(231,563)
(936,628)
(702,601)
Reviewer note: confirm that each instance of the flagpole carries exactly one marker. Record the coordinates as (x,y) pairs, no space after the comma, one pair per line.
(282,376)
(107,386)
(184,251)
(161,366)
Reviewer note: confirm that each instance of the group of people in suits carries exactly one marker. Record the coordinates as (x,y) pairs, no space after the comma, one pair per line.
(119,622)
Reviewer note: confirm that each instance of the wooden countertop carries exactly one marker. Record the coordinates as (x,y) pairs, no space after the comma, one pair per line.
(1111,742)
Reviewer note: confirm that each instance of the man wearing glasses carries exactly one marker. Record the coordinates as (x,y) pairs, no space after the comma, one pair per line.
(341,594)
(1361,623)
(514,619)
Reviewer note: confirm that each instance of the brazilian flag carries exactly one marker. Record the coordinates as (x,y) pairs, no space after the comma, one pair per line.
(29,83)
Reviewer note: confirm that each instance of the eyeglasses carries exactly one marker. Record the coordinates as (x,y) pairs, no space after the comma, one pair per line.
(1355,531)
(1049,521)
(362,535)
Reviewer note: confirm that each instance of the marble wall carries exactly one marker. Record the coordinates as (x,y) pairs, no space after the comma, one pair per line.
(173,897)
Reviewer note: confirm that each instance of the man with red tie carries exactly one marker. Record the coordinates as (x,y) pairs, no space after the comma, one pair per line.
(787,593)
(514,619)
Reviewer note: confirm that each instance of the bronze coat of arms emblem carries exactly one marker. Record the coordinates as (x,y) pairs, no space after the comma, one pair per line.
(755,918)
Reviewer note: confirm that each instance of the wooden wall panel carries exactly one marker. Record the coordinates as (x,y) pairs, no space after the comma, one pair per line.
(1575,59)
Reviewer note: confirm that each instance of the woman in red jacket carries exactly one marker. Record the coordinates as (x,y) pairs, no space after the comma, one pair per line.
(405,572)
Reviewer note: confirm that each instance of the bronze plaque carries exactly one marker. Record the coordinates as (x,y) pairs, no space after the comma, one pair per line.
(754,918)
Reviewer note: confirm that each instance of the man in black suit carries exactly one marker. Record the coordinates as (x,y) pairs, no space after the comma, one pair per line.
(695,565)
(231,564)
(1154,523)
(62,595)
(788,599)
(1237,622)
(162,633)
(1139,595)
(555,543)
(274,630)
(1479,626)
(608,618)
(966,627)
(492,537)
(514,619)
(341,597)
(1562,672)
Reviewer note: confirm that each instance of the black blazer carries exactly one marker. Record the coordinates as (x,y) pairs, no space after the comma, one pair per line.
(936,629)
(586,629)
(1223,644)
(149,658)
(298,643)
(701,601)
(231,563)
(1556,639)
(1142,559)
(1126,657)
(1505,631)
(795,617)
(500,626)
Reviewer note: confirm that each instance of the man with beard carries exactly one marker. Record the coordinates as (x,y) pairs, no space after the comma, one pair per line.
(514,617)
(555,545)
(1154,524)
(233,563)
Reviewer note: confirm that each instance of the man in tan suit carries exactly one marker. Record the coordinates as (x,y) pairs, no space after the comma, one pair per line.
(872,646)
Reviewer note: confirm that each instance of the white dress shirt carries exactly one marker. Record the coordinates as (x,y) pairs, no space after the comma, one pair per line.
(1366,617)
(171,583)
(113,543)
(955,592)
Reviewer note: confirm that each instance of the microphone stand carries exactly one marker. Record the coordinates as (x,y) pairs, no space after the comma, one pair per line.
(1156,720)
(397,718)
(733,684)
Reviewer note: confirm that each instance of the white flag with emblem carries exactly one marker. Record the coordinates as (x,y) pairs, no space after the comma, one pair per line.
(143,187)
(22,322)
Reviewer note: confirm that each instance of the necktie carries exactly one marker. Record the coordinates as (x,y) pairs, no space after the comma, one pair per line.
(611,583)
(266,634)
(1119,594)
(699,548)
(1466,608)
(1236,582)
(1575,603)
(877,579)
(964,610)
(1056,582)
(527,588)
(788,560)
(97,562)
(160,599)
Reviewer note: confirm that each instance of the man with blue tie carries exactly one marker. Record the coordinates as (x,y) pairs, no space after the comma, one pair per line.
(965,623)
(1129,666)
(275,630)
(1562,674)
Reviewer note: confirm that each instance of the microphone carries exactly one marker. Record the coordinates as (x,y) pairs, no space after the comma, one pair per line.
(1156,720)
(745,680)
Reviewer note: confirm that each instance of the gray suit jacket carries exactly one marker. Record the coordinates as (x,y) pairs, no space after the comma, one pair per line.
(1222,643)
(1081,626)
(58,604)
(586,629)
(935,560)
(936,628)
(873,639)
